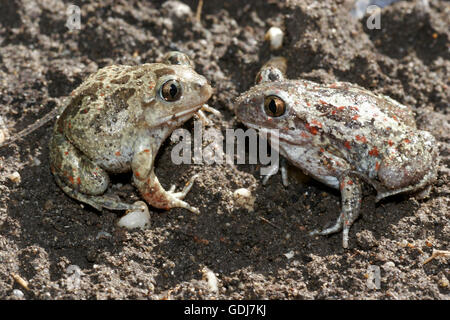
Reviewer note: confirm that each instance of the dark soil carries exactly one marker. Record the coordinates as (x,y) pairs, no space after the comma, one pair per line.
(43,232)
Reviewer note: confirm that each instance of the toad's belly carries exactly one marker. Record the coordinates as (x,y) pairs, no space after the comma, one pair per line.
(321,165)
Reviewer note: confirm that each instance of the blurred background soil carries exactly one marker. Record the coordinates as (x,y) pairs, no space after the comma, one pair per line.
(65,250)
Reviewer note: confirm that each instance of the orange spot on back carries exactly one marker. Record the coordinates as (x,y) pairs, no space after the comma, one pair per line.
(347,145)
(317,123)
(373,152)
(312,130)
(361,138)
(303,134)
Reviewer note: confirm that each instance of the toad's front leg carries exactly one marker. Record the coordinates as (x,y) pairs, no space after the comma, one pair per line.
(150,188)
(351,196)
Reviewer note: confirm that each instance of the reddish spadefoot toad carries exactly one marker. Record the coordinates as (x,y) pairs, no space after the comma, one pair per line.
(116,121)
(341,134)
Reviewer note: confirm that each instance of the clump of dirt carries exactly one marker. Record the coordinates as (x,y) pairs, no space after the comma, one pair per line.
(68,251)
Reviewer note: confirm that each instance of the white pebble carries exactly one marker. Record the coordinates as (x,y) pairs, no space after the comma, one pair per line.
(14,177)
(275,36)
(289,255)
(3,131)
(243,198)
(211,278)
(3,135)
(177,9)
(18,294)
(136,218)
(388,265)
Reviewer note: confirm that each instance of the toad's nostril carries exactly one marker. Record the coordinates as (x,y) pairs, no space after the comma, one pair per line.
(200,83)
(207,90)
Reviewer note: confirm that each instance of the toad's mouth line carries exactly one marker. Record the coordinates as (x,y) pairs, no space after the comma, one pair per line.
(176,116)
(271,133)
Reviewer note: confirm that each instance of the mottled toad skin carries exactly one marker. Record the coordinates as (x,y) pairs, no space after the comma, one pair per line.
(116,121)
(341,134)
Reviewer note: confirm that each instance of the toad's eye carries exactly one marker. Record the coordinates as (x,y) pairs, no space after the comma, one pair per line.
(274,106)
(171,90)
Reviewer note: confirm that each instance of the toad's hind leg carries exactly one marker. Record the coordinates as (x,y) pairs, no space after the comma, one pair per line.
(79,177)
(350,187)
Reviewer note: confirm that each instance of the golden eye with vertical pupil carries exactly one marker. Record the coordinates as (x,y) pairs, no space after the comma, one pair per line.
(274,106)
(171,90)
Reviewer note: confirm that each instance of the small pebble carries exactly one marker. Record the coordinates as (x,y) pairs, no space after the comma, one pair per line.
(3,131)
(211,278)
(289,255)
(366,240)
(443,282)
(3,135)
(18,294)
(177,9)
(389,265)
(14,177)
(136,218)
(275,37)
(243,198)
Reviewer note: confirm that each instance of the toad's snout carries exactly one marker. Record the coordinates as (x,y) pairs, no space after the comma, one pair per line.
(204,88)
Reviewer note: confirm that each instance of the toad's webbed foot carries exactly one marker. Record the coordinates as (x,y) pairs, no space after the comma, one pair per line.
(154,193)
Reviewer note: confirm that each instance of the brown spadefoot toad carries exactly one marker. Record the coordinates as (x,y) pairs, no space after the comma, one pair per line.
(341,134)
(116,121)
